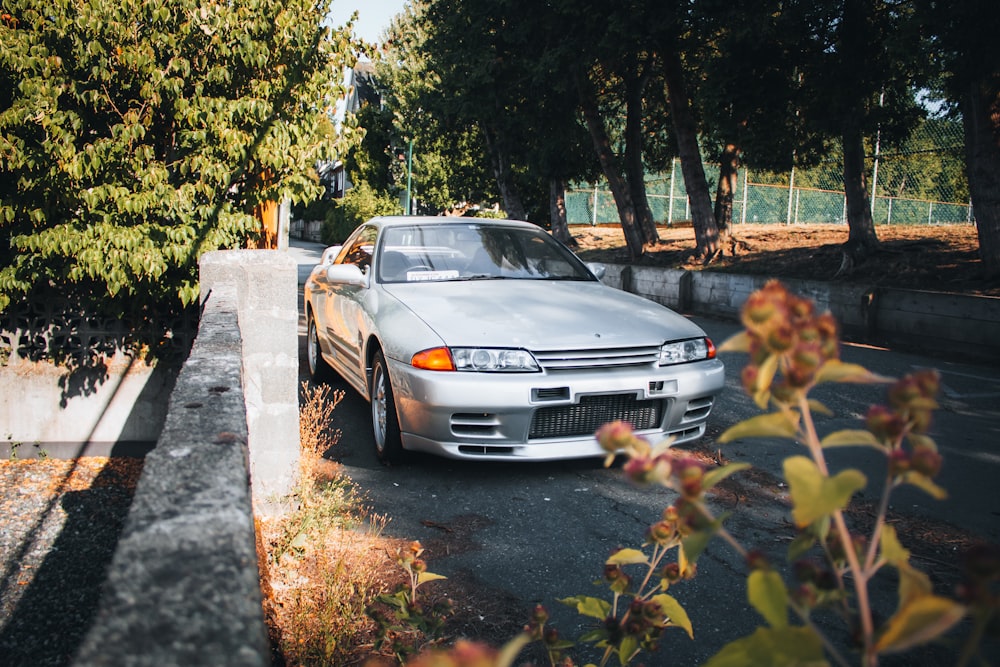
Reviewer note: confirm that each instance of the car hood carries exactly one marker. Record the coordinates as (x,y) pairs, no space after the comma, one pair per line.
(541,315)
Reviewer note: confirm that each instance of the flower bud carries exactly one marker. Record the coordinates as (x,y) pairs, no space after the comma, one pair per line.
(926,461)
(671,572)
(899,462)
(805,571)
(756,560)
(804,596)
(660,533)
(615,436)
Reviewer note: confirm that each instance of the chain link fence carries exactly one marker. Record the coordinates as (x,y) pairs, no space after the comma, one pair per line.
(923,182)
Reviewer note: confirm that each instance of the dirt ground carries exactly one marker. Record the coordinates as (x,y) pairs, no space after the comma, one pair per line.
(930,257)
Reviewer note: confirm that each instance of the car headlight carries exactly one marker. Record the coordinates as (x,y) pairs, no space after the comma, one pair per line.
(486,359)
(684,351)
(475,359)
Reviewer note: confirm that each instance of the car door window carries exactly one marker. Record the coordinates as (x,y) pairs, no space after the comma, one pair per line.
(358,249)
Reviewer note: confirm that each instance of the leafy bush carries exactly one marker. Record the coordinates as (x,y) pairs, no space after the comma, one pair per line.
(359,204)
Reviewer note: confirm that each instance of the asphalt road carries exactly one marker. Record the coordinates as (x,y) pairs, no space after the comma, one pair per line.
(535,533)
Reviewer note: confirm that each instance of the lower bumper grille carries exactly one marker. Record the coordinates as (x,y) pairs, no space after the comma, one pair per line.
(593,412)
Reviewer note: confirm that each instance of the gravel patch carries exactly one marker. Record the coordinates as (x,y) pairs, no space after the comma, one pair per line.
(59,525)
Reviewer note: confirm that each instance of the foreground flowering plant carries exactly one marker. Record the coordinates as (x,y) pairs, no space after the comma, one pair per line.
(792,349)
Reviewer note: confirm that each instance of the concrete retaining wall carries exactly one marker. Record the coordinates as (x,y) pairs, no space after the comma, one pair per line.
(183,588)
(119,406)
(932,322)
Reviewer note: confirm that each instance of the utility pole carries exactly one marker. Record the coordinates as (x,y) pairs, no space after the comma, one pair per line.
(409,177)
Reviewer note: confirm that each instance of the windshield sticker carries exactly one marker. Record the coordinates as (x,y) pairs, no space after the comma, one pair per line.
(417,276)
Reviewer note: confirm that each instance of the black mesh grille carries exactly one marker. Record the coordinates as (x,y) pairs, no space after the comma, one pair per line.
(593,412)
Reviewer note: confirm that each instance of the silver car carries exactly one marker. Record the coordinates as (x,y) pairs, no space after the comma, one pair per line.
(490,340)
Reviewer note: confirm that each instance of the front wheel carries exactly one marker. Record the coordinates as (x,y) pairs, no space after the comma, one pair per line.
(319,370)
(385,422)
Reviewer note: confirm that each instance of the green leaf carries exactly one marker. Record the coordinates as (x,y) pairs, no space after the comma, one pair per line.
(892,550)
(771,425)
(913,584)
(814,495)
(627,648)
(801,545)
(922,620)
(675,612)
(588,606)
(819,408)
(851,438)
(924,483)
(713,477)
(767,593)
(772,647)
(627,557)
(510,651)
(835,370)
(424,577)
(736,343)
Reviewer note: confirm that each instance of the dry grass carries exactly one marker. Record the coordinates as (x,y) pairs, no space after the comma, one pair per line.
(326,560)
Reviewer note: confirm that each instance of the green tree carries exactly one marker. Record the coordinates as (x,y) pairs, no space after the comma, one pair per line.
(136,135)
(450,162)
(964,45)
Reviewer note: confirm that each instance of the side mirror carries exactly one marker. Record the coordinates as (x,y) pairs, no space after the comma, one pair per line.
(597,269)
(346,274)
(330,254)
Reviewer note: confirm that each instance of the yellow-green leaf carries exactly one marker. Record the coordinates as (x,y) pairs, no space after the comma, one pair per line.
(919,622)
(893,552)
(713,477)
(771,425)
(913,584)
(589,606)
(424,577)
(627,557)
(768,595)
(851,438)
(510,651)
(819,408)
(925,483)
(773,647)
(675,612)
(736,343)
(815,495)
(835,370)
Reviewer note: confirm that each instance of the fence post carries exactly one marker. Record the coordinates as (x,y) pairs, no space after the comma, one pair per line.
(743,209)
(791,189)
(593,216)
(670,197)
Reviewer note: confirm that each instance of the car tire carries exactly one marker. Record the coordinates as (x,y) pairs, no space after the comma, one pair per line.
(319,370)
(385,421)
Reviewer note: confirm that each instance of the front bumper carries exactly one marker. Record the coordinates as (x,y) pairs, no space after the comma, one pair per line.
(547,416)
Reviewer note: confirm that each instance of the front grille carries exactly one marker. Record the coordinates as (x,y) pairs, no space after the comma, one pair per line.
(560,360)
(592,412)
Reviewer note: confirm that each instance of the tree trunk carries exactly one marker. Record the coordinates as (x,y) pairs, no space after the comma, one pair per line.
(729,167)
(861,240)
(557,212)
(634,169)
(706,231)
(512,204)
(981,116)
(606,157)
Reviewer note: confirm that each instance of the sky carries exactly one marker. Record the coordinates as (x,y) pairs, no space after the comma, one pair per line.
(373,15)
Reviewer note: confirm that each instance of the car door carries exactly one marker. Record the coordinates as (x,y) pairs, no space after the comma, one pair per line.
(343,304)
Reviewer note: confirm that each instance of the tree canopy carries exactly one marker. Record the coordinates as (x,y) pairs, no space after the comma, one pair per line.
(779,84)
(136,135)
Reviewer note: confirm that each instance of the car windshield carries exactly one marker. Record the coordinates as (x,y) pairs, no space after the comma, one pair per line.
(474,252)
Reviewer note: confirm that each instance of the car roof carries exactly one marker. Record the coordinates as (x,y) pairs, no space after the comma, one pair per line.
(408,220)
